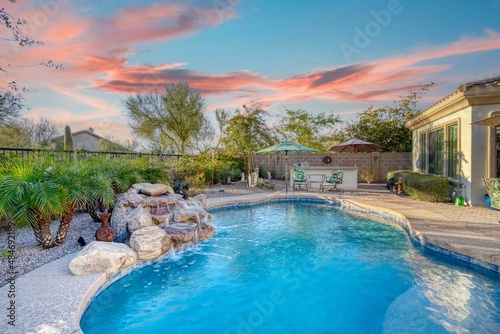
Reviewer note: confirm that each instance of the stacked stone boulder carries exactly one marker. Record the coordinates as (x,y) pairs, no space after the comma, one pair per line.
(149,220)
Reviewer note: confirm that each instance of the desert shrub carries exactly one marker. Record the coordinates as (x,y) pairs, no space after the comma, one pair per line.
(226,165)
(263,172)
(396,174)
(423,187)
(427,188)
(152,170)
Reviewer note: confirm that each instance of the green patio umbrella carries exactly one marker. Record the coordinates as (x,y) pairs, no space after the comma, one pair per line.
(285,148)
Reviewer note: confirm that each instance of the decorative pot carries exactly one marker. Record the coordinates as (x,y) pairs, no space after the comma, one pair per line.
(105,232)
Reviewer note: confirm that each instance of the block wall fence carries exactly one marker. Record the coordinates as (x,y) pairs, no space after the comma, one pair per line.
(382,163)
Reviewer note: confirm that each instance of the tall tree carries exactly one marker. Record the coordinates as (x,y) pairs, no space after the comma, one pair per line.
(172,118)
(307,129)
(26,133)
(247,133)
(222,118)
(203,139)
(385,126)
(9,106)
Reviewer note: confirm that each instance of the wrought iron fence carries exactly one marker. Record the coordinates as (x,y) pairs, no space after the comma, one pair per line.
(60,154)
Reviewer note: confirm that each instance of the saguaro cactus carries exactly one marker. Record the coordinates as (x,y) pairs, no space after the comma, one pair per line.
(68,140)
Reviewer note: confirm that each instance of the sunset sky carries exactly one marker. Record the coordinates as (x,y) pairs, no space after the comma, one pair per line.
(321,56)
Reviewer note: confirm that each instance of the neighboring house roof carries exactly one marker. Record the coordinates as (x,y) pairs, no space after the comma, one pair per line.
(88,131)
(81,140)
(480,92)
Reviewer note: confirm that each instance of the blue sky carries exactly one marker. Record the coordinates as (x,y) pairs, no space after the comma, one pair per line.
(322,56)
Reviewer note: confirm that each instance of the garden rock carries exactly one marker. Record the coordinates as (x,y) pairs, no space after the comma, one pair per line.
(189,213)
(138,218)
(118,221)
(200,200)
(134,200)
(180,233)
(150,242)
(205,231)
(155,189)
(101,256)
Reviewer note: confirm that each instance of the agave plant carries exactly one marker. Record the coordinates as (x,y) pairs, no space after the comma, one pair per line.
(29,197)
(83,185)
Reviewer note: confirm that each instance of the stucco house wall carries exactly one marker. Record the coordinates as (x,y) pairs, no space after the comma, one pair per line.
(471,102)
(84,140)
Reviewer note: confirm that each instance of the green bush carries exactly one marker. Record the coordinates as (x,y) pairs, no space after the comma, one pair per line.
(428,188)
(263,172)
(396,174)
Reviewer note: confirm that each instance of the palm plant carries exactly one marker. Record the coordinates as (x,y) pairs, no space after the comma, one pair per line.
(83,185)
(120,175)
(29,197)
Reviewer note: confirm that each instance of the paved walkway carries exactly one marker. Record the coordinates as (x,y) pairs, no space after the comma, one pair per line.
(51,300)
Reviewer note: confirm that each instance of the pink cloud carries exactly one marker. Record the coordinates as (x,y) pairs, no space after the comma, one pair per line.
(96,56)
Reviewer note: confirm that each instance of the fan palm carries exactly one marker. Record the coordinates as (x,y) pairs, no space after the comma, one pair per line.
(28,196)
(82,184)
(120,176)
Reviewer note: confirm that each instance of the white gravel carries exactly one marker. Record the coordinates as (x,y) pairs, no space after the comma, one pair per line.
(29,255)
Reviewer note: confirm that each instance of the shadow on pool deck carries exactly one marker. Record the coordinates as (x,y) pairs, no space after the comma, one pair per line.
(51,300)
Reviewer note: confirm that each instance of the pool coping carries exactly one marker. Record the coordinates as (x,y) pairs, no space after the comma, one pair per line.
(42,308)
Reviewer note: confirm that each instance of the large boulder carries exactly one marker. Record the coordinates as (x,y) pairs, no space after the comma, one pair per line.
(101,256)
(119,220)
(134,200)
(150,242)
(180,233)
(162,218)
(154,189)
(200,200)
(189,213)
(205,231)
(139,218)
(161,203)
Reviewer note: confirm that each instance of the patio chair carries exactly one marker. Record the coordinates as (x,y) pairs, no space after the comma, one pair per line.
(493,189)
(299,179)
(333,180)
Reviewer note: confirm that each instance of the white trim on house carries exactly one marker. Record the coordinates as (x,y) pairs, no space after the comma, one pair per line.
(477,144)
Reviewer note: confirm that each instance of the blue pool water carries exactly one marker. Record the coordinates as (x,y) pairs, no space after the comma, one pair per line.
(300,268)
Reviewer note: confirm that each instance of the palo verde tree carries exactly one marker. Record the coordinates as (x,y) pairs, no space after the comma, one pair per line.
(172,118)
(246,133)
(385,126)
(315,131)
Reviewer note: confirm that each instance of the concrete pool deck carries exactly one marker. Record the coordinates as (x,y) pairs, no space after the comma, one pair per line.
(51,300)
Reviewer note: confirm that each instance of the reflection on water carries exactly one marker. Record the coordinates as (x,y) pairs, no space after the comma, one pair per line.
(451,298)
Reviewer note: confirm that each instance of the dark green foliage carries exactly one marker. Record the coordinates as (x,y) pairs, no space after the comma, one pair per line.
(315,131)
(152,170)
(396,174)
(386,126)
(169,119)
(68,139)
(263,172)
(428,188)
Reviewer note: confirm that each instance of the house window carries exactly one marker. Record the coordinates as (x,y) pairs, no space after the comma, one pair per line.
(498,150)
(452,155)
(436,152)
(423,153)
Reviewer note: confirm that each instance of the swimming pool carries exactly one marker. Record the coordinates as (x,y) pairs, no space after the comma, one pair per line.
(291,267)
